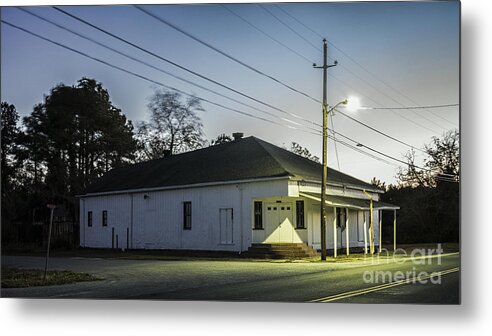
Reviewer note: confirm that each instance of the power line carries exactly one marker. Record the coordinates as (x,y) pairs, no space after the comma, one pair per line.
(147,78)
(203,99)
(217,92)
(356,149)
(261,31)
(358,63)
(288,27)
(226,54)
(296,53)
(359,144)
(378,131)
(386,84)
(266,34)
(388,96)
(242,63)
(376,102)
(178,65)
(334,132)
(300,22)
(409,107)
(156,68)
(391,98)
(359,77)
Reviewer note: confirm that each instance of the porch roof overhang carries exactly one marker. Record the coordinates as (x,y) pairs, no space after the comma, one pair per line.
(349,202)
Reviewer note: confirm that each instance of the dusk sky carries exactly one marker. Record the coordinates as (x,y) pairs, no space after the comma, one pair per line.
(406,53)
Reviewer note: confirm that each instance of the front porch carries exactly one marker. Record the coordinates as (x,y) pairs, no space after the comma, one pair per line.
(296,220)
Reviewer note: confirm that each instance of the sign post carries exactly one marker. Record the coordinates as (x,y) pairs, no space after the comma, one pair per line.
(52,208)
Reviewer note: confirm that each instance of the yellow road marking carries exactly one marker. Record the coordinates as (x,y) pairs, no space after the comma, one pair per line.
(383,286)
(431,256)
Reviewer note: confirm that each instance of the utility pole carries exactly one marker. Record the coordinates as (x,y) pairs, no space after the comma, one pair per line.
(325,136)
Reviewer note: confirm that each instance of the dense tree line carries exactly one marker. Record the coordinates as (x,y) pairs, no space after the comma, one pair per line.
(73,137)
(429,198)
(77,134)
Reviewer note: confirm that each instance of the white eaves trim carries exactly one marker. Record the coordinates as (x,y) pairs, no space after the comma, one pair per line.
(185,186)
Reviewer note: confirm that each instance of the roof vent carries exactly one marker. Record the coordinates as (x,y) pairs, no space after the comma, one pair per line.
(237,136)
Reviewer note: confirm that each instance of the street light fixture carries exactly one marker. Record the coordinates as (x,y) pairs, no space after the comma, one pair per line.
(343,102)
(353,104)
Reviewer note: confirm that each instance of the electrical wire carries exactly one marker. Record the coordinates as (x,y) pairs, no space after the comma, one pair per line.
(358,144)
(362,79)
(158,69)
(149,79)
(261,31)
(388,85)
(409,107)
(334,133)
(378,131)
(201,76)
(290,28)
(266,34)
(178,65)
(359,64)
(259,72)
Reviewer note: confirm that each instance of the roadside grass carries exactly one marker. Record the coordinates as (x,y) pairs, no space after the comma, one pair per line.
(20,278)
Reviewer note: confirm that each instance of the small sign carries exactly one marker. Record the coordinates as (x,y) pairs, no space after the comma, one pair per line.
(51,206)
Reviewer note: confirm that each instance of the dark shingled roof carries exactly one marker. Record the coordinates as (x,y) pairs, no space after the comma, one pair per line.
(247,158)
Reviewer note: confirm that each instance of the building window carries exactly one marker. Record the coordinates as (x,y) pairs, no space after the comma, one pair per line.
(105,218)
(258,215)
(300,214)
(187,215)
(89,218)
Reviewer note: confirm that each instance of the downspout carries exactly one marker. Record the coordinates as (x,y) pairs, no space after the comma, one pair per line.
(371,227)
(347,239)
(131,221)
(82,222)
(380,214)
(240,218)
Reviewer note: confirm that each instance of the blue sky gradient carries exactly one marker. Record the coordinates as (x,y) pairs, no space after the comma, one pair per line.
(412,46)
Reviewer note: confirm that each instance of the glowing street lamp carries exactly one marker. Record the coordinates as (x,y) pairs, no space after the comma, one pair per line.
(352,104)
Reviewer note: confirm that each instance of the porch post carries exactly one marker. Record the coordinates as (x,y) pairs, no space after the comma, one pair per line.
(365,233)
(371,229)
(334,232)
(347,241)
(380,212)
(394,229)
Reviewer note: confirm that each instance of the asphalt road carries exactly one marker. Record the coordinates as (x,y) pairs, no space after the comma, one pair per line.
(360,281)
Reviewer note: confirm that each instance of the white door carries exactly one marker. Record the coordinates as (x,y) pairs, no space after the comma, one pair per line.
(278,223)
(226,225)
(286,229)
(315,226)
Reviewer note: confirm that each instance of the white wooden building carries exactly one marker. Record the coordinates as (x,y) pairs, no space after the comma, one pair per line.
(225,198)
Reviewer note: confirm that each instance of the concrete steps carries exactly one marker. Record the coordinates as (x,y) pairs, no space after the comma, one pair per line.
(281,251)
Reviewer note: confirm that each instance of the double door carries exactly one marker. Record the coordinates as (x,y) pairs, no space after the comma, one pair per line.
(279,219)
